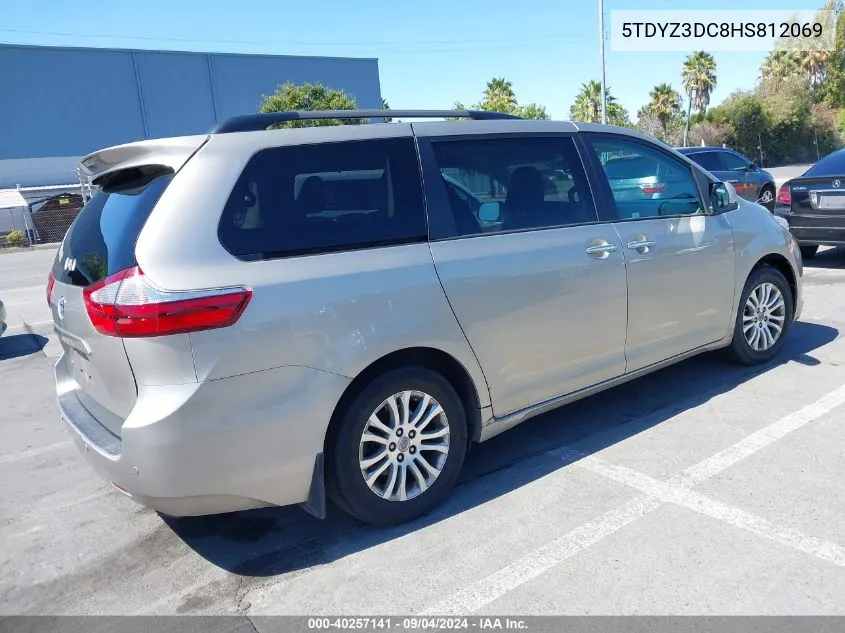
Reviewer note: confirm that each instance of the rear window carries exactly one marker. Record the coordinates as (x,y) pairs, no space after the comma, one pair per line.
(831,165)
(322,198)
(101,240)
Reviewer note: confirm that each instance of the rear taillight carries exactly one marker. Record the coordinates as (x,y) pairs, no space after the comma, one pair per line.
(126,304)
(785,195)
(51,281)
(652,187)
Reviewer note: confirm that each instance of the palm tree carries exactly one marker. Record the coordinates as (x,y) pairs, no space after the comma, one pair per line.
(664,103)
(499,91)
(587,106)
(699,75)
(779,66)
(386,106)
(813,63)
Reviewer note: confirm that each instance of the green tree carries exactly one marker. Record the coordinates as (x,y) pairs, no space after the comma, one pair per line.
(499,92)
(499,96)
(308,96)
(699,78)
(665,104)
(832,88)
(386,106)
(780,66)
(746,120)
(587,106)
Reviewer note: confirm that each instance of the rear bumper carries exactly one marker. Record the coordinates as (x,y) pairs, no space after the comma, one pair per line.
(220,446)
(814,229)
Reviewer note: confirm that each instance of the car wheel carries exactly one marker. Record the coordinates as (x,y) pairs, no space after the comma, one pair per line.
(809,251)
(767,198)
(398,448)
(763,318)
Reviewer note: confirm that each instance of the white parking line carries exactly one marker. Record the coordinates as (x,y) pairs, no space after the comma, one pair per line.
(692,500)
(767,435)
(496,585)
(33,452)
(541,560)
(29,325)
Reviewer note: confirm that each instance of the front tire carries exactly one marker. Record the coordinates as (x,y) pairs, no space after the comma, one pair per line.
(399,447)
(763,319)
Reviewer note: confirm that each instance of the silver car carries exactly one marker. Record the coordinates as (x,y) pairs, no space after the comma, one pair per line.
(256,317)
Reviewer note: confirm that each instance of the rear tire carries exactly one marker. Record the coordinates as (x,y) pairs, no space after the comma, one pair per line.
(763,318)
(398,447)
(809,251)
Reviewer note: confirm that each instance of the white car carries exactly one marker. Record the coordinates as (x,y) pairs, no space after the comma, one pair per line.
(2,318)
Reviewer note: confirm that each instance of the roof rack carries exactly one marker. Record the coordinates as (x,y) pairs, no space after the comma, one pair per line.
(255,122)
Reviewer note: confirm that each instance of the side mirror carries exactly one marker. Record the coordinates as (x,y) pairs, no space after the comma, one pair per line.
(752,167)
(489,212)
(723,197)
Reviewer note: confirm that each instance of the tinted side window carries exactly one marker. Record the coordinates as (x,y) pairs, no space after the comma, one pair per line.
(657,185)
(504,184)
(321,198)
(734,162)
(711,161)
(101,240)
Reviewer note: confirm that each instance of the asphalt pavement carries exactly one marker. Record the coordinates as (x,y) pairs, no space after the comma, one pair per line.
(702,489)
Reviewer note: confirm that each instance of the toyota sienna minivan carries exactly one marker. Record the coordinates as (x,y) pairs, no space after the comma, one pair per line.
(256,317)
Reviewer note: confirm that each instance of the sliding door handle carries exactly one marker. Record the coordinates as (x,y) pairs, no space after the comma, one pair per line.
(601,250)
(641,246)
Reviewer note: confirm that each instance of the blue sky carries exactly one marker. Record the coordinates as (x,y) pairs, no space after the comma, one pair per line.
(430,53)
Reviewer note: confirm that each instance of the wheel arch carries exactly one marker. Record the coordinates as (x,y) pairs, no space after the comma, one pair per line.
(428,357)
(782,265)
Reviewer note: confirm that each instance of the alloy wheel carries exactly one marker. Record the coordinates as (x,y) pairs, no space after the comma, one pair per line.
(404,446)
(763,317)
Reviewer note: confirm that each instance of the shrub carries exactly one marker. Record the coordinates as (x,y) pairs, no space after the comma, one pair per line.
(16,238)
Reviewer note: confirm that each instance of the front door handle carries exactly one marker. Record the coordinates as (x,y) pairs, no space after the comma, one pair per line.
(600,249)
(641,246)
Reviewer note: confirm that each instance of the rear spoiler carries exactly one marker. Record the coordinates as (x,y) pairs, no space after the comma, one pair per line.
(169,152)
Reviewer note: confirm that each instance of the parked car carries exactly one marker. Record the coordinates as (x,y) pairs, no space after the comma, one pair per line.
(2,318)
(814,204)
(238,332)
(750,181)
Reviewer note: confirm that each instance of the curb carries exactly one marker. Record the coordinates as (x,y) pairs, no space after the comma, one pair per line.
(26,249)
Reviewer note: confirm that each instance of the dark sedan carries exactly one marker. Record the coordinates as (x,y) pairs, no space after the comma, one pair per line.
(750,181)
(814,204)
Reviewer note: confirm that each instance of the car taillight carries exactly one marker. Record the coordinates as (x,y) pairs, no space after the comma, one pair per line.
(785,195)
(51,281)
(652,187)
(125,304)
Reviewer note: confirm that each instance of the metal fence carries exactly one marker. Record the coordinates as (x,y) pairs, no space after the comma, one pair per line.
(41,215)
(44,222)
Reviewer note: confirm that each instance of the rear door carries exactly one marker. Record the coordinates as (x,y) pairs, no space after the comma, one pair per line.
(736,173)
(99,243)
(535,280)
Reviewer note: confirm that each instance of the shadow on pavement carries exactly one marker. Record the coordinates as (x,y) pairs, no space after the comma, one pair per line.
(273,541)
(830,258)
(17,345)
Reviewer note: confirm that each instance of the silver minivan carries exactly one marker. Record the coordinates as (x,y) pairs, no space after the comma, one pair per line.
(256,316)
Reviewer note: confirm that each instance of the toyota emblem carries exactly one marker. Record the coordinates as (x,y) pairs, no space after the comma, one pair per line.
(60,309)
(836,184)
